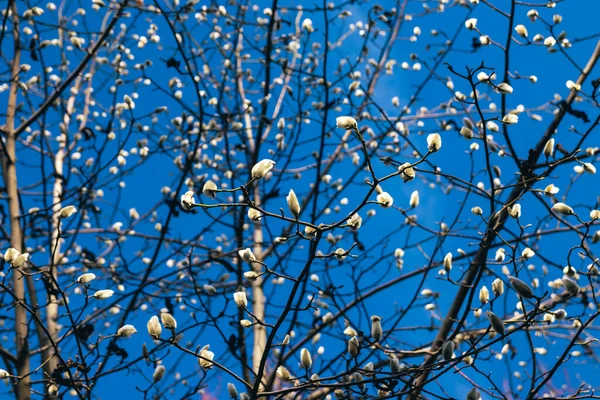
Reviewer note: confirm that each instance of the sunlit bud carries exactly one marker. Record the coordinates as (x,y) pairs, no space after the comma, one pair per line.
(573,86)
(560,314)
(538,38)
(86,278)
(305,358)
(346,123)
(154,327)
(484,295)
(594,214)
(477,313)
(473,394)
(557,18)
(240,298)
(521,30)
(527,253)
(498,287)
(521,287)
(485,40)
(355,222)
(551,190)
(562,208)
(209,189)
(126,331)
(474,146)
(67,211)
(414,199)
(293,204)
(571,287)
(549,318)
(482,76)
(206,357)
(407,173)
(254,214)
(596,237)
(477,210)
(209,289)
(504,88)
(448,262)
(286,339)
(246,323)
(549,148)
(168,321)
(353,346)
(549,41)
(467,133)
(385,200)
(283,373)
(247,255)
(187,200)
(434,142)
(448,350)
(232,390)
(396,366)
(52,390)
(262,168)
(103,294)
(159,372)
(340,254)
(310,232)
(500,255)
(20,260)
(251,275)
(515,211)
(492,126)
(395,101)
(349,331)
(471,23)
(496,322)
(376,329)
(532,14)
(308,25)
(509,119)
(11,254)
(589,168)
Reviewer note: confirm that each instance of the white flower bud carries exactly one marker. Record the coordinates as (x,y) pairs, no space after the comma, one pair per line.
(206,356)
(448,262)
(283,373)
(168,321)
(509,119)
(187,200)
(498,286)
(209,189)
(477,210)
(240,298)
(551,190)
(247,255)
(103,294)
(86,278)
(232,390)
(515,211)
(262,168)
(471,23)
(549,148)
(434,142)
(385,200)
(414,199)
(521,30)
(254,214)
(407,173)
(353,346)
(154,327)
(11,254)
(293,203)
(346,123)
(159,372)
(20,260)
(562,208)
(126,331)
(305,358)
(484,295)
(500,255)
(376,329)
(67,211)
(504,88)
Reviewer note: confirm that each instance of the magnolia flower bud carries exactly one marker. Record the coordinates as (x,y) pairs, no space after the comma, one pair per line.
(240,298)
(293,204)
(589,168)
(571,287)
(527,253)
(385,200)
(500,255)
(262,168)
(168,321)
(52,391)
(10,254)
(376,329)
(396,366)
(20,260)
(305,358)
(232,390)
(515,211)
(353,346)
(286,339)
(407,173)
(496,322)
(247,255)
(206,356)
(521,287)
(67,211)
(434,142)
(4,374)
(466,132)
(308,25)
(562,208)
(504,88)
(187,200)
(414,199)
(448,262)
(484,295)
(521,30)
(477,210)
(551,190)
(210,189)
(103,294)
(283,373)
(254,214)
(251,275)
(474,394)
(448,350)
(509,119)
(346,123)
(126,331)
(86,278)
(471,23)
(355,222)
(594,214)
(549,148)
(498,287)
(154,328)
(159,372)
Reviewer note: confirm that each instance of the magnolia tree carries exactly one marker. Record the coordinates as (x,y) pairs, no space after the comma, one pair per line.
(335,200)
